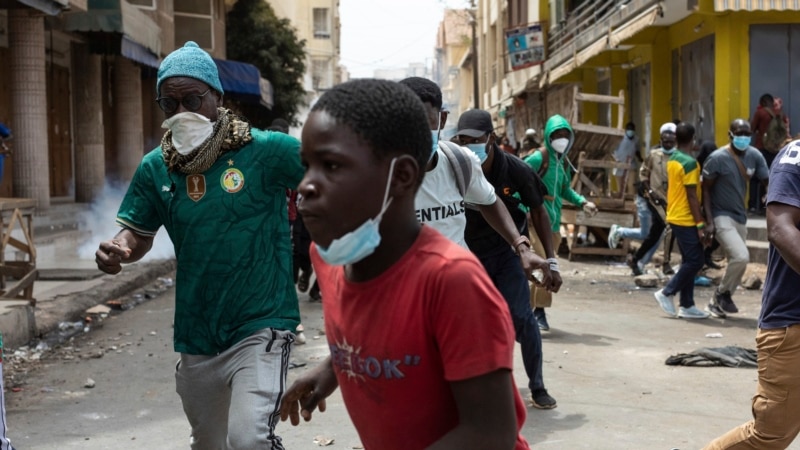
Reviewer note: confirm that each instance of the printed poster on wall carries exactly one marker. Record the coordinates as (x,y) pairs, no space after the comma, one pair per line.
(525,46)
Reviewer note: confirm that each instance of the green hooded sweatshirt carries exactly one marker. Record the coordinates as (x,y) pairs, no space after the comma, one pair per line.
(556,178)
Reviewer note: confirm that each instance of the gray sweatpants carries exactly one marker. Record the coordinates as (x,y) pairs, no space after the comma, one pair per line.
(232,400)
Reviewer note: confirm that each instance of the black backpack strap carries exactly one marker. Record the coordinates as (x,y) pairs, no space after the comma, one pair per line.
(461,164)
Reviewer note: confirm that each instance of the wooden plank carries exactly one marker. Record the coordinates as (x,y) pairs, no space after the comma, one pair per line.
(605,164)
(598,98)
(604,219)
(607,203)
(9,228)
(588,183)
(578,250)
(16,243)
(10,204)
(13,293)
(598,129)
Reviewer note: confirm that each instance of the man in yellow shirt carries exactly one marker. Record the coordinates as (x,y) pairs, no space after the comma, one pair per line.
(686,220)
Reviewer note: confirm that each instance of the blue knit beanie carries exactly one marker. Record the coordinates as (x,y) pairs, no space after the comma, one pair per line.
(189,61)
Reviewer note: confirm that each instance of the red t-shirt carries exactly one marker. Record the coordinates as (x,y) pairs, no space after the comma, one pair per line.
(398,340)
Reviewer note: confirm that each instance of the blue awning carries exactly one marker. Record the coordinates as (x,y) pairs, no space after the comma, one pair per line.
(238,77)
(137,52)
(243,81)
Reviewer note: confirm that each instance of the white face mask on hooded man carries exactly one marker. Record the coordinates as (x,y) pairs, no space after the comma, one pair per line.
(560,145)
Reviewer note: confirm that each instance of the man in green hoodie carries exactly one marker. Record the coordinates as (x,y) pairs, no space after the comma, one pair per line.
(548,162)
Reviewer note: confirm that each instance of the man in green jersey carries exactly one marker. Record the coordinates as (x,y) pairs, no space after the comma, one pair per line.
(218,187)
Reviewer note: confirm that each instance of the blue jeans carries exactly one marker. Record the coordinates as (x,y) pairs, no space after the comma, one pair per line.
(643,211)
(505,270)
(641,233)
(693,259)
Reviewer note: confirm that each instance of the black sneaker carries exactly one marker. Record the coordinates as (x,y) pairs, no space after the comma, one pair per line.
(634,265)
(726,302)
(302,282)
(714,309)
(712,265)
(542,400)
(541,319)
(667,269)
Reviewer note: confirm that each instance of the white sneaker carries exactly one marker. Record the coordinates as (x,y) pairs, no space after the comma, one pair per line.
(613,236)
(692,313)
(300,337)
(666,303)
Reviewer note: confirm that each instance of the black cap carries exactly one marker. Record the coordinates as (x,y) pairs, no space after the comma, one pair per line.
(475,123)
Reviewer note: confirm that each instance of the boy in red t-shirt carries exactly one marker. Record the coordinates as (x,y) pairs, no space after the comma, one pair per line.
(421,342)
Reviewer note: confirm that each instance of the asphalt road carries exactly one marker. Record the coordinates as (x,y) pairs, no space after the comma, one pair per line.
(604,363)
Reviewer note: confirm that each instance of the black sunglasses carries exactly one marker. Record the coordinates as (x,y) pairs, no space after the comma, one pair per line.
(191,102)
(741,133)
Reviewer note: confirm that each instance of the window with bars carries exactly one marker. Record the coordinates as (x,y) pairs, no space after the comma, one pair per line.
(194,21)
(322,26)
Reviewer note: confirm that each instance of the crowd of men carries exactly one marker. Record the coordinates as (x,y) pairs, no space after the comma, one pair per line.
(454,242)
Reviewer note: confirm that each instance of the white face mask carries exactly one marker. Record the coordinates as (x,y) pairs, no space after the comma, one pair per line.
(189,130)
(559,145)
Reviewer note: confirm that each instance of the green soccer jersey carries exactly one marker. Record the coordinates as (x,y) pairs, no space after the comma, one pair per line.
(230,229)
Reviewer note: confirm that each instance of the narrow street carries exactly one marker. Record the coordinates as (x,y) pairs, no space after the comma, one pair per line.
(604,363)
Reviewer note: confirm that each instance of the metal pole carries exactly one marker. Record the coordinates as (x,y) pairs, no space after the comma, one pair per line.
(474,23)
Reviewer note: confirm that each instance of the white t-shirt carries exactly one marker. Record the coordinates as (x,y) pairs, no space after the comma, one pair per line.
(440,205)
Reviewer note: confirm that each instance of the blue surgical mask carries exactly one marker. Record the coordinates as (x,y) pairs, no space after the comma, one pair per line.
(741,142)
(630,133)
(435,137)
(480,150)
(356,245)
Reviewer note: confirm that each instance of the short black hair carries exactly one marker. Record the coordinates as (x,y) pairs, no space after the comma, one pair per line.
(386,115)
(630,126)
(279,125)
(426,90)
(706,148)
(684,133)
(766,100)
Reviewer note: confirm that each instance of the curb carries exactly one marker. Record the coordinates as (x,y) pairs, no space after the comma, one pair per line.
(72,307)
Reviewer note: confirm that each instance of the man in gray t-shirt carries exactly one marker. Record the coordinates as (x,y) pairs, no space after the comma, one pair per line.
(726,175)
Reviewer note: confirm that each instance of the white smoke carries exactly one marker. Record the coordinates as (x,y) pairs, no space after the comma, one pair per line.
(102,226)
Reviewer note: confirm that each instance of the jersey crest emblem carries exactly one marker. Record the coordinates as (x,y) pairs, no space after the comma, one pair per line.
(196,186)
(232,180)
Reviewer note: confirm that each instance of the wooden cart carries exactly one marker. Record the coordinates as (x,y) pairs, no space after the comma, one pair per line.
(591,155)
(17,213)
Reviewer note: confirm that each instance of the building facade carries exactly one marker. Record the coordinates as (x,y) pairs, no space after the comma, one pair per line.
(79,93)
(703,61)
(318,23)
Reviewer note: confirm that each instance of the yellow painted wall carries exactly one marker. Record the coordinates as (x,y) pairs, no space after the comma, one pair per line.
(588,112)
(731,63)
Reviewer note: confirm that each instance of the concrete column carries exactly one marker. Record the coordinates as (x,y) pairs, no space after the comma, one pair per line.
(89,146)
(128,121)
(29,105)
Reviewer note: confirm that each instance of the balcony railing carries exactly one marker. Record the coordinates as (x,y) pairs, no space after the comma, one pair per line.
(588,23)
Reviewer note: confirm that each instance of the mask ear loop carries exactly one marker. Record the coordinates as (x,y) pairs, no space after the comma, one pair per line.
(386,192)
